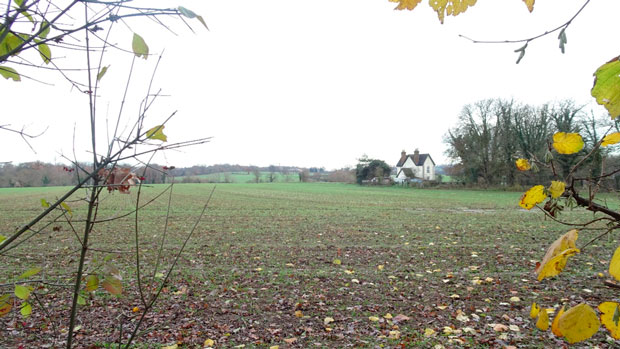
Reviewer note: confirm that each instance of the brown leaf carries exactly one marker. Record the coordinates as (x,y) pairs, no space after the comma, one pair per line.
(118,179)
(400,318)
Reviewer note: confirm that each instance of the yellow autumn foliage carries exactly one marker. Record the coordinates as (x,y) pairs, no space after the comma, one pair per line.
(556,264)
(556,189)
(555,325)
(534,310)
(610,139)
(523,164)
(557,254)
(532,197)
(543,320)
(567,143)
(614,264)
(608,309)
(406,4)
(579,323)
(450,7)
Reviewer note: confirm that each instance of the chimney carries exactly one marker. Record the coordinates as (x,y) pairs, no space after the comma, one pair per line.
(403,156)
(416,157)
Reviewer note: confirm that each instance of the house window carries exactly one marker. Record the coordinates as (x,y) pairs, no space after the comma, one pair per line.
(428,169)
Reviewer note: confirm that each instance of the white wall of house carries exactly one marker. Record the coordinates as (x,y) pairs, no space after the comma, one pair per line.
(427,171)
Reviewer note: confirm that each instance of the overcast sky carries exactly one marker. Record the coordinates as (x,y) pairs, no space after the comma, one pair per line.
(320,83)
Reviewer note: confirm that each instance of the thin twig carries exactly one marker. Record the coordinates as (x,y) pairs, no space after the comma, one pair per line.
(174,263)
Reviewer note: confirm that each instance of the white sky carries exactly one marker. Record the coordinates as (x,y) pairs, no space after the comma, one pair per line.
(320,83)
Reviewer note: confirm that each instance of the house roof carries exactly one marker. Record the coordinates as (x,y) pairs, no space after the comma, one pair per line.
(421,159)
(408,172)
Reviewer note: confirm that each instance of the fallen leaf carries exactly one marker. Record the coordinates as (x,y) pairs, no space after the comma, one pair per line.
(499,327)
(462,318)
(400,318)
(429,332)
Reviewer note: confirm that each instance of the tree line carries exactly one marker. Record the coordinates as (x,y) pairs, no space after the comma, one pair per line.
(491,134)
(41,174)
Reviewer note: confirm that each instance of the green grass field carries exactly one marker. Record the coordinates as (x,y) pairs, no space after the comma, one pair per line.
(260,269)
(243,177)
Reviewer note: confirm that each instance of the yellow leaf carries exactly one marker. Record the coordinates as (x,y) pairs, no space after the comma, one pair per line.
(209,343)
(174,346)
(394,334)
(406,4)
(533,196)
(563,243)
(429,332)
(534,310)
(337,261)
(543,321)
(614,264)
(556,189)
(450,7)
(373,318)
(66,207)
(554,326)
(157,132)
(610,139)
(135,309)
(606,87)
(529,4)
(556,264)
(579,323)
(567,143)
(523,164)
(298,313)
(328,320)
(608,309)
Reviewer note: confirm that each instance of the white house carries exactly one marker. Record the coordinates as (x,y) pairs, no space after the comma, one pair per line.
(416,165)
